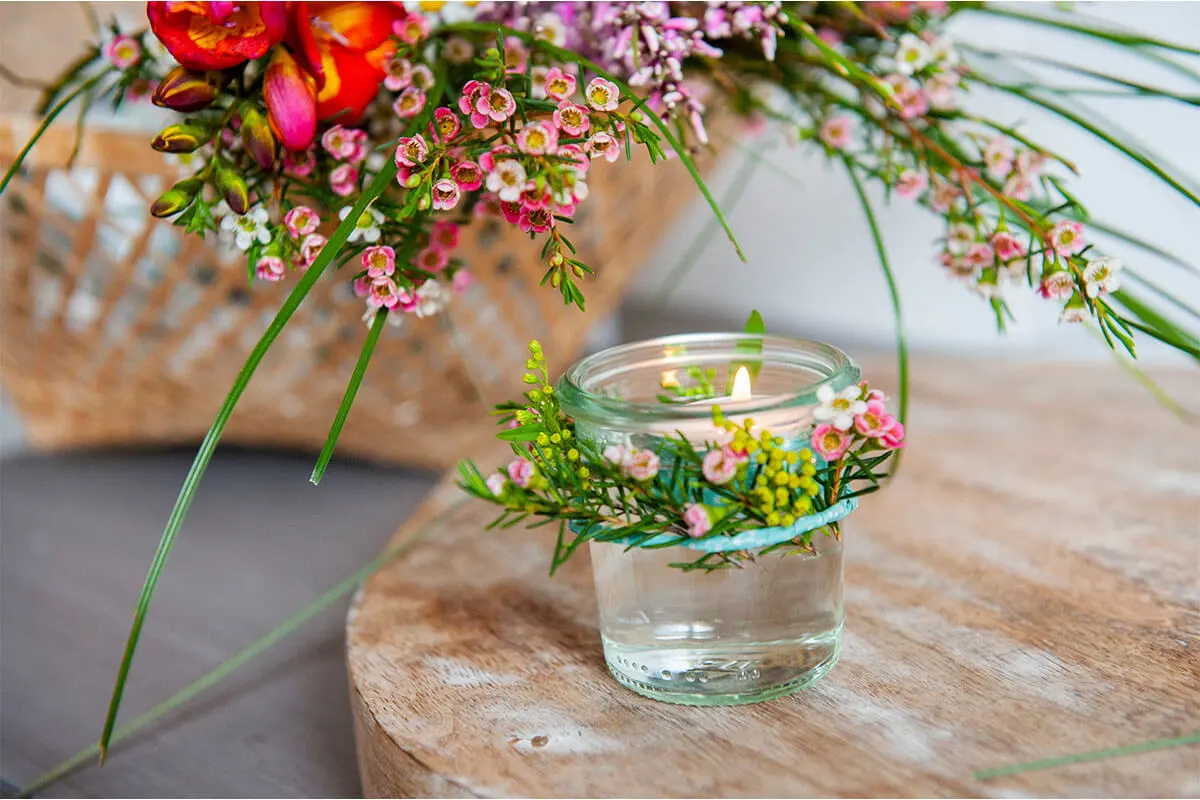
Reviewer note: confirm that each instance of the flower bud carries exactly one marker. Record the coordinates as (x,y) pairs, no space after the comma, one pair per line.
(257,138)
(578,270)
(180,138)
(233,189)
(177,198)
(423,203)
(556,279)
(186,90)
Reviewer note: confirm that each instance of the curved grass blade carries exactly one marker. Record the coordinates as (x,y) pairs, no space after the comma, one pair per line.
(46,122)
(893,290)
(1156,325)
(1140,88)
(1138,374)
(336,240)
(1162,293)
(1098,132)
(1104,32)
(339,419)
(228,667)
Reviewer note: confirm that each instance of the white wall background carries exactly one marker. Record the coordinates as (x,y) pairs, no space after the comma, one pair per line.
(812,266)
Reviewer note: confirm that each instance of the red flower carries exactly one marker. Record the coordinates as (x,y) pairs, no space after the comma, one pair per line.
(345,46)
(204,36)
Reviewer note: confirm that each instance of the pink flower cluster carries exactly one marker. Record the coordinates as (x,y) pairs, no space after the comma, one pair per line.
(348,146)
(379,284)
(641,465)
(720,465)
(872,425)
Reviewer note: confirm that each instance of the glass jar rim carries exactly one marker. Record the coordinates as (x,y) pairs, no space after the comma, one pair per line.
(837,368)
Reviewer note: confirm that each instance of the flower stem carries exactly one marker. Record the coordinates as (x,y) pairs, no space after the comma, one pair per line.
(46,122)
(336,240)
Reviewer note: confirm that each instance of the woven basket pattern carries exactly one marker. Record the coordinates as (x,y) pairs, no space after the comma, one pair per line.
(118,329)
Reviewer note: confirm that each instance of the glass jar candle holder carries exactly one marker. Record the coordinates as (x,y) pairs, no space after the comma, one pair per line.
(773,624)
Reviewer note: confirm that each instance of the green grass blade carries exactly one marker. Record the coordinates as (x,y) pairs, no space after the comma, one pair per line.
(1156,325)
(1094,755)
(1096,131)
(356,379)
(691,256)
(46,122)
(1141,244)
(893,290)
(1129,365)
(228,667)
(336,240)
(1162,293)
(1140,88)
(1108,34)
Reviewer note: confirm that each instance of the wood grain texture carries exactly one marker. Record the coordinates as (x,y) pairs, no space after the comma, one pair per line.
(1027,588)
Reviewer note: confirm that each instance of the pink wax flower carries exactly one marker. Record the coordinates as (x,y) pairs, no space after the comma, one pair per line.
(559,85)
(379,261)
(423,77)
(521,472)
(343,180)
(507,180)
(299,165)
(511,211)
(269,268)
(495,483)
(893,437)
(515,55)
(1018,187)
(471,93)
(616,454)
(461,281)
(444,235)
(497,105)
(123,52)
(383,294)
(1073,313)
(944,195)
(310,248)
(720,465)
(468,175)
(641,465)
(411,151)
(432,259)
(1007,246)
(1057,285)
(980,255)
(413,29)
(339,142)
(536,138)
(578,157)
(603,143)
(1067,238)
(1100,276)
(571,119)
(830,442)
(410,103)
(602,95)
(836,131)
(301,221)
(489,159)
(445,194)
(445,126)
(538,220)
(362,286)
(695,517)
(875,420)
(911,183)
(398,73)
(998,156)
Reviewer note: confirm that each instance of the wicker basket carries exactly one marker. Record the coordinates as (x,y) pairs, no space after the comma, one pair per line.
(118,329)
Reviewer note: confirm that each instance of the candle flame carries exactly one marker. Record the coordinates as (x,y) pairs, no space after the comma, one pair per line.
(741,384)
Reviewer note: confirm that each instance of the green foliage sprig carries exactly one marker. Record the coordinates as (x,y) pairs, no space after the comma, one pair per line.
(679,491)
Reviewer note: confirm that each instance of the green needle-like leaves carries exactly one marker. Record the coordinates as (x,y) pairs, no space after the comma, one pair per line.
(336,240)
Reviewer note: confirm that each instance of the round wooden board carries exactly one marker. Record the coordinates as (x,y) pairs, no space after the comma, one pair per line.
(1027,588)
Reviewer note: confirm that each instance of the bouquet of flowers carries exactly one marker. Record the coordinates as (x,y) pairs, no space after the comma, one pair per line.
(359,137)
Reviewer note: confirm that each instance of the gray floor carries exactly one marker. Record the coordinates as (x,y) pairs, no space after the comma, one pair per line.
(78,533)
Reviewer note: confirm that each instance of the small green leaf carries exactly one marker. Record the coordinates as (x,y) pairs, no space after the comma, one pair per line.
(525,433)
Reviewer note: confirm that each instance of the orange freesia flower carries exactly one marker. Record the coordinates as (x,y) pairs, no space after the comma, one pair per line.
(218,35)
(345,46)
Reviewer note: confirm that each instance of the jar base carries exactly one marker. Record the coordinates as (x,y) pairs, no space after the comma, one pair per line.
(709,687)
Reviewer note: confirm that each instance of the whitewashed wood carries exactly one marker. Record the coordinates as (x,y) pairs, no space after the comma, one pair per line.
(1027,588)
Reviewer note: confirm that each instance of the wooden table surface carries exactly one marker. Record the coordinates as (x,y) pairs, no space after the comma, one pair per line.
(1027,588)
